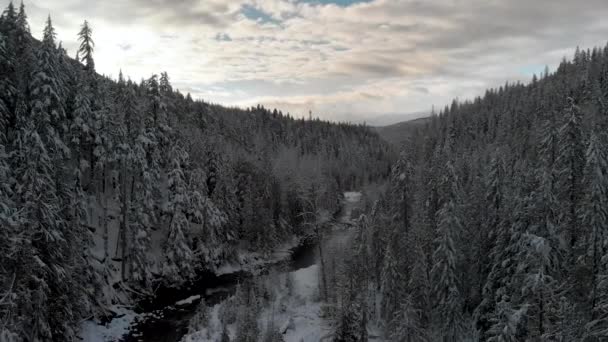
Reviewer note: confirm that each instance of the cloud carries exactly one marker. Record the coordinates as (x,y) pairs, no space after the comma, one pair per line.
(223,37)
(339,58)
(125,47)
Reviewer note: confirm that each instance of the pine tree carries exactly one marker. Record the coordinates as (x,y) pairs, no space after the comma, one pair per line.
(49,35)
(419,287)
(595,218)
(247,329)
(87,46)
(44,244)
(507,325)
(225,337)
(165,85)
(571,161)
(21,21)
(392,279)
(272,333)
(446,292)
(9,220)
(20,49)
(142,216)
(10,14)
(492,242)
(81,127)
(539,255)
(179,256)
(213,236)
(494,195)
(349,321)
(407,323)
(7,90)
(47,107)
(538,259)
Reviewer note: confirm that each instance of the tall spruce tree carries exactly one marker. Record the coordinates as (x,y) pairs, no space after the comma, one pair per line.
(87,46)
(595,220)
(446,289)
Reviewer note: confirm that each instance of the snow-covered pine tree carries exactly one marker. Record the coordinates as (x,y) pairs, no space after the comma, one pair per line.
(43,246)
(178,264)
(348,323)
(595,219)
(141,215)
(492,240)
(213,237)
(43,191)
(80,128)
(272,333)
(446,293)
(247,328)
(157,123)
(10,14)
(225,336)
(9,247)
(46,106)
(49,39)
(508,324)
(419,287)
(21,19)
(129,129)
(494,196)
(407,323)
(7,90)
(570,163)
(539,256)
(393,280)
(164,85)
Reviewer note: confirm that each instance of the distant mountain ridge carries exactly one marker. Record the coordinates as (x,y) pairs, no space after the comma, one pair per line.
(394,118)
(398,133)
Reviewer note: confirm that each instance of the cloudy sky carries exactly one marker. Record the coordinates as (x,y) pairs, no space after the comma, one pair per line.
(345,60)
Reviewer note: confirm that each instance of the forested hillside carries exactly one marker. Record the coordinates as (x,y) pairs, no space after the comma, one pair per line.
(109,188)
(401,132)
(495,227)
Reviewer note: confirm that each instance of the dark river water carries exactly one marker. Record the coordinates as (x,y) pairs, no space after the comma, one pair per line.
(163,321)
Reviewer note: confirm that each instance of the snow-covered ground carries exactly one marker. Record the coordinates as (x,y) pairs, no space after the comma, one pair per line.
(308,326)
(252,262)
(351,201)
(296,314)
(296,308)
(92,331)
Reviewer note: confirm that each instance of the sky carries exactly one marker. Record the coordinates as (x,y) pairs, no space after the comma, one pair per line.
(344,60)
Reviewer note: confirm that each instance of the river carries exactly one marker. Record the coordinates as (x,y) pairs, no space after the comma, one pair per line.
(164,320)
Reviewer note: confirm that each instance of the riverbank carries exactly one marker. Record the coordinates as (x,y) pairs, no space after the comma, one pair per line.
(166,316)
(288,305)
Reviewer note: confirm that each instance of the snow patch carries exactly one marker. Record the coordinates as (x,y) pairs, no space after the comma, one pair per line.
(253,262)
(352,196)
(92,331)
(188,300)
(306,281)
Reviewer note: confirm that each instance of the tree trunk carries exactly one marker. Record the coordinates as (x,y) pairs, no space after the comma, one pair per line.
(125,219)
(594,275)
(323,269)
(541,314)
(106,248)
